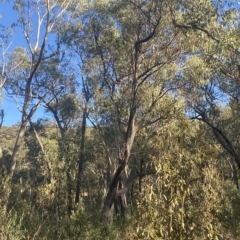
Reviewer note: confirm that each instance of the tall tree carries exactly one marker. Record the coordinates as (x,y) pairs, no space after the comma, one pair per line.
(213,80)
(134,62)
(27,82)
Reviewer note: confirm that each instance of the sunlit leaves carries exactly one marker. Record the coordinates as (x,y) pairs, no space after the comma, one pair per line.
(197,71)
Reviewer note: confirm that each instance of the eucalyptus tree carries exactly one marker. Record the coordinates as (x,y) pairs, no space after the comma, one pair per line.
(30,80)
(134,49)
(213,81)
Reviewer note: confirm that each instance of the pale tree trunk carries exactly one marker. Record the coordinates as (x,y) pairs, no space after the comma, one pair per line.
(17,147)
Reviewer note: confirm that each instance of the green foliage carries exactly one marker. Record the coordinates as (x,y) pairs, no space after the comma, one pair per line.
(11,226)
(187,199)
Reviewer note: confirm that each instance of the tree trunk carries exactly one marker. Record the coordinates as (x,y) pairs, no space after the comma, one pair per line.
(81,156)
(69,193)
(17,147)
(112,192)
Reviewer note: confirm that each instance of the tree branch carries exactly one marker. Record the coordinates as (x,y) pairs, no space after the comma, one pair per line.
(130,180)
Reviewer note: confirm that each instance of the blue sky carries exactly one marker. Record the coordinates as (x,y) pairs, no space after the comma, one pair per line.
(12,115)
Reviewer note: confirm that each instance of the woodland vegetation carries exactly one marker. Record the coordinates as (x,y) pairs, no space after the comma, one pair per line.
(142,138)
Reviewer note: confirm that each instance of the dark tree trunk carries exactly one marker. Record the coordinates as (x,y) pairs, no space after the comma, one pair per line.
(81,156)
(69,193)
(112,192)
